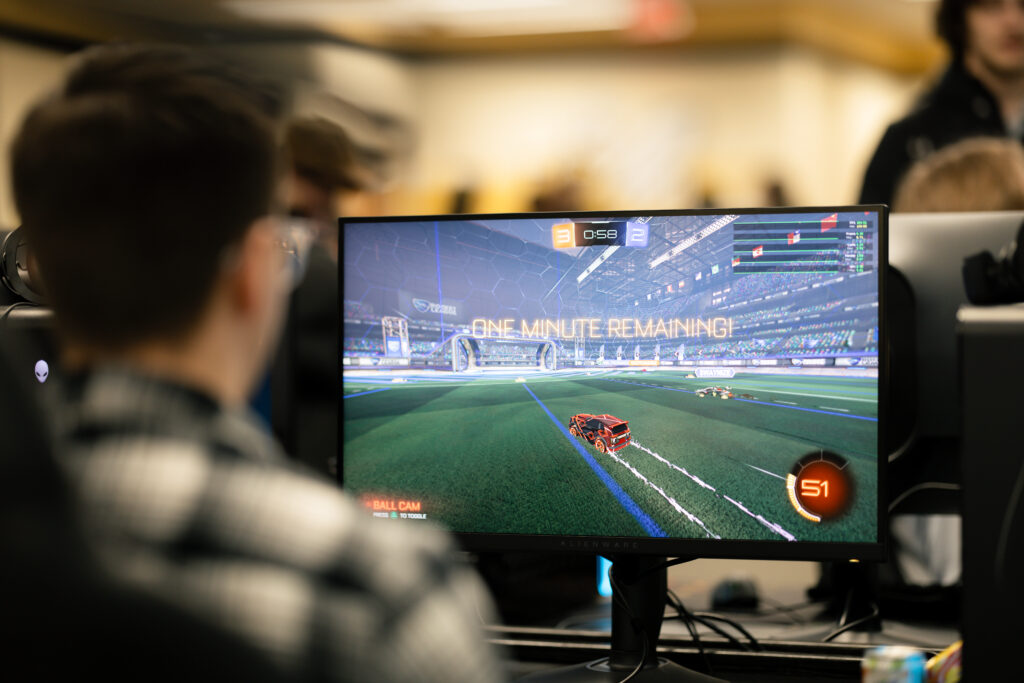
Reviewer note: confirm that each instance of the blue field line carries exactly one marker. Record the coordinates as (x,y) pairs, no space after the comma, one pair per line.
(747,400)
(364,393)
(649,525)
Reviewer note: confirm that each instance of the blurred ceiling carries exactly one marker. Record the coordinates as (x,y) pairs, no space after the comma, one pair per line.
(891,34)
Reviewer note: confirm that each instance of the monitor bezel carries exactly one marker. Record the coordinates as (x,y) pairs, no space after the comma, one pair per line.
(676,547)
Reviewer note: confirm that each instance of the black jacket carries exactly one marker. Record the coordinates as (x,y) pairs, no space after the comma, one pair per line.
(958,107)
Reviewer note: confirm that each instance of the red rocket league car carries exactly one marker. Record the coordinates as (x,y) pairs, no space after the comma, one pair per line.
(606,432)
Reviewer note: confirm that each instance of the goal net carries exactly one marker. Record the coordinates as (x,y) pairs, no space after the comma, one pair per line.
(471,353)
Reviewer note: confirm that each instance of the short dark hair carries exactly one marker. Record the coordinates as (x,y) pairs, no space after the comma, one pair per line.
(951,24)
(322,153)
(133,179)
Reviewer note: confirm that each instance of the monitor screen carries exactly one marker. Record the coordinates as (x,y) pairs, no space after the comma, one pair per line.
(688,382)
(929,249)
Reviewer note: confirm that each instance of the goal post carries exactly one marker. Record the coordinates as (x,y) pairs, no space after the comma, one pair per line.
(396,337)
(474,353)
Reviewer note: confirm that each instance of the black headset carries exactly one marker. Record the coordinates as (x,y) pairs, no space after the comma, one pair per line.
(15,273)
(988,280)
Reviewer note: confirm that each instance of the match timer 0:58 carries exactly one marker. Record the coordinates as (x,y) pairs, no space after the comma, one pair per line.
(820,487)
(598,233)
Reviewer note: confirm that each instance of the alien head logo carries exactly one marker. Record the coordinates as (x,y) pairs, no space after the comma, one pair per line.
(42,371)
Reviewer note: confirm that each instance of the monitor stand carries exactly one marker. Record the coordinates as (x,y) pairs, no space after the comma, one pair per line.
(644,588)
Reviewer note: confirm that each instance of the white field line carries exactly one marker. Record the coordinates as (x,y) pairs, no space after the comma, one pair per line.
(798,393)
(767,472)
(671,501)
(771,525)
(842,410)
(788,403)
(673,465)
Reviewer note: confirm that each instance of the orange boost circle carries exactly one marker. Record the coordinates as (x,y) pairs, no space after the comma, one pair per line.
(824,489)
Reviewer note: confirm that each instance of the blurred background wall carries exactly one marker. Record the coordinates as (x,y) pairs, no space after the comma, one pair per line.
(507,105)
(26,73)
(648,130)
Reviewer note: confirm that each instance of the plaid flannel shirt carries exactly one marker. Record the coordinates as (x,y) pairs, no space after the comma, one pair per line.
(199,504)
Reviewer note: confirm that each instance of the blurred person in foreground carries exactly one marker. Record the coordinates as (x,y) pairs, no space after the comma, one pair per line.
(146,185)
(981,93)
(976,174)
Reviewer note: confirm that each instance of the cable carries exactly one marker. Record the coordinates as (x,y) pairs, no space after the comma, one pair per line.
(841,621)
(687,619)
(938,485)
(853,624)
(736,625)
(643,661)
(786,610)
(905,446)
(721,631)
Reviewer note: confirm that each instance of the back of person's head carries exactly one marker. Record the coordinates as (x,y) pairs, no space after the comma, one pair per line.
(976,174)
(951,24)
(321,153)
(134,179)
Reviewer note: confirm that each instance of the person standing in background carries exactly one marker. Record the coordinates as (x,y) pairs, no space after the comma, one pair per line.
(981,93)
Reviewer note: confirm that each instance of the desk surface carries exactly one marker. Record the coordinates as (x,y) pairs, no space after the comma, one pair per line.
(788,628)
(529,650)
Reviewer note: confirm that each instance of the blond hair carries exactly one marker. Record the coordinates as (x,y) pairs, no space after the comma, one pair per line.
(976,174)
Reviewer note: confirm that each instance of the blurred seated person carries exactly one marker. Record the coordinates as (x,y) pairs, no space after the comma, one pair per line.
(64,618)
(322,171)
(976,174)
(146,186)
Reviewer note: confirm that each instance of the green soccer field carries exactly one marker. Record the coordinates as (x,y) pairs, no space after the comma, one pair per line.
(493,455)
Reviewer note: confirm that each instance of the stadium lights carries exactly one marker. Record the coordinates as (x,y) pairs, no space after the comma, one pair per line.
(597,262)
(693,239)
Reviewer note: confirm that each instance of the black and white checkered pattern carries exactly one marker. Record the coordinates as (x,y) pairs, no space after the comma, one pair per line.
(198,503)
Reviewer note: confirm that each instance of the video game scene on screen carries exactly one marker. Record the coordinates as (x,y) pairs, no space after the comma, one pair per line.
(689,376)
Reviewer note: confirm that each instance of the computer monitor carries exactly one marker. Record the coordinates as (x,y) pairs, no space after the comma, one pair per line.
(928,249)
(926,254)
(665,383)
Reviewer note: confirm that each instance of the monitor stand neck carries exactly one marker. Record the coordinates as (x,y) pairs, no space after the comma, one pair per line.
(637,612)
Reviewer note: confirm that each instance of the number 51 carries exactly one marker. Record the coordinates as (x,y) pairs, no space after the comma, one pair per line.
(812,488)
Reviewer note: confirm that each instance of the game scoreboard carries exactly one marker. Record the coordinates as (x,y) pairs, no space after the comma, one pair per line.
(598,233)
